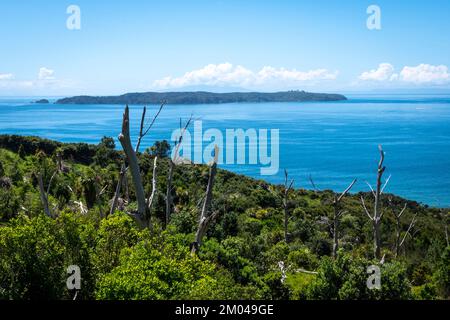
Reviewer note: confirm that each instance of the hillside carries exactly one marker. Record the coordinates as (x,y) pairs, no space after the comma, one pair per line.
(201,97)
(245,253)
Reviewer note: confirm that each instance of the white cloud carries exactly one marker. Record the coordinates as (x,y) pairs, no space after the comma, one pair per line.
(425,73)
(44,83)
(270,73)
(46,74)
(384,72)
(225,74)
(6,76)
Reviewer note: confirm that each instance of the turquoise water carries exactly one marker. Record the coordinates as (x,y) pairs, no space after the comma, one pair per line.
(333,141)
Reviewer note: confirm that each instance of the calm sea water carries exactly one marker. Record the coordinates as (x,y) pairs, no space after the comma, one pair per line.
(333,141)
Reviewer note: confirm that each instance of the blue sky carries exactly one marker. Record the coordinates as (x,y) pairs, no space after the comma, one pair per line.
(319,45)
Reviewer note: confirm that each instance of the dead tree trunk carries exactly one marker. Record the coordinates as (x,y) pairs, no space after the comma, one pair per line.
(377,207)
(124,169)
(169,191)
(337,216)
(153,193)
(44,196)
(205,217)
(287,189)
(125,141)
(377,214)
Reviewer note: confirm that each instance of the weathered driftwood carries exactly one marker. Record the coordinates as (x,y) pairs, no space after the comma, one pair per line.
(338,212)
(377,214)
(205,217)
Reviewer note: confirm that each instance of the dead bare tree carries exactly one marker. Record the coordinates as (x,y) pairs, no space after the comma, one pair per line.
(172,163)
(377,214)
(133,164)
(397,227)
(143,131)
(205,217)
(338,212)
(287,189)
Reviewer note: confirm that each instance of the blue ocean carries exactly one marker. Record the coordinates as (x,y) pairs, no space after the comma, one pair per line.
(334,142)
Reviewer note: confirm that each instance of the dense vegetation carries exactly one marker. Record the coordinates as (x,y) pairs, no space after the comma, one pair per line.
(244,254)
(201,97)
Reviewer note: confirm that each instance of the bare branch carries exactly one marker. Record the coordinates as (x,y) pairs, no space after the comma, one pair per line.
(312,183)
(285,178)
(102,191)
(300,270)
(141,128)
(411,225)
(50,182)
(371,189)
(342,212)
(365,209)
(180,138)
(154,118)
(385,184)
(83,209)
(172,163)
(380,148)
(346,190)
(143,133)
(403,210)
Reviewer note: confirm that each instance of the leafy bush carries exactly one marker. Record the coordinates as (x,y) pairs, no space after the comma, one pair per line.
(147,271)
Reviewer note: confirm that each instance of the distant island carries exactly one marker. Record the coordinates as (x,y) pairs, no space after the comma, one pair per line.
(203,97)
(42,101)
